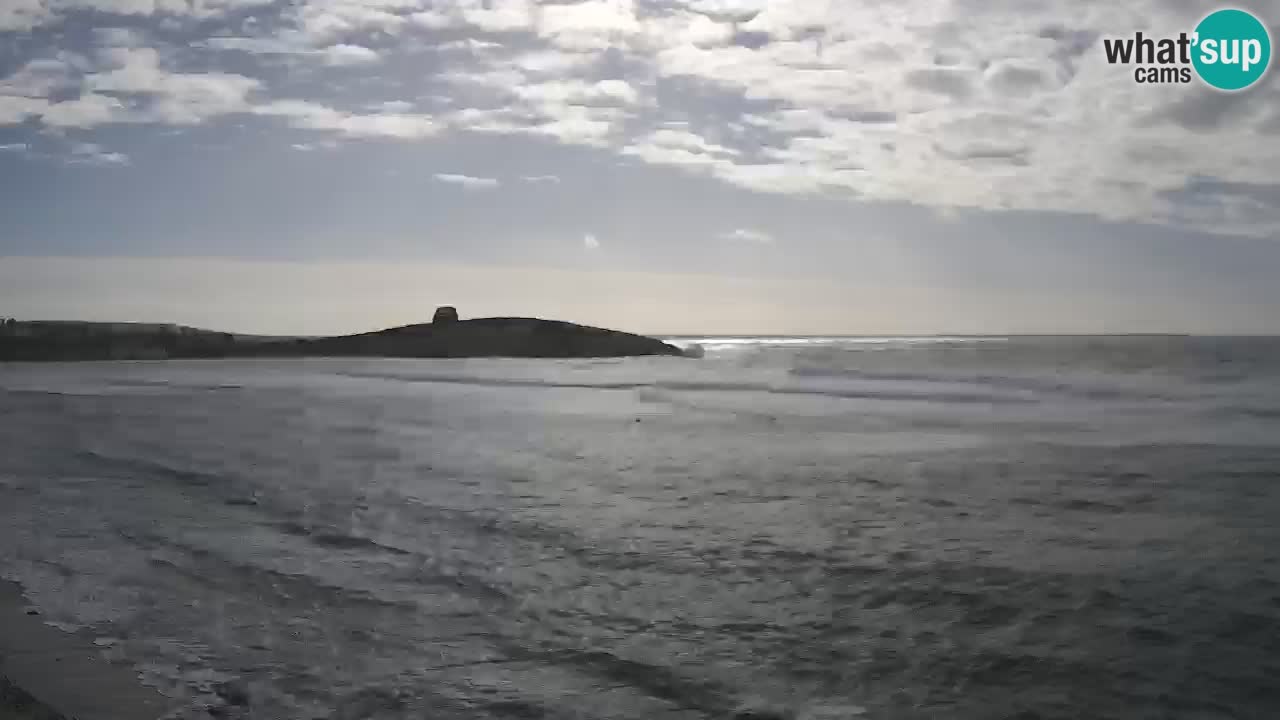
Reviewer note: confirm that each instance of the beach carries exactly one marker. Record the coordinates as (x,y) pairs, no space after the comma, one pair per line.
(49,674)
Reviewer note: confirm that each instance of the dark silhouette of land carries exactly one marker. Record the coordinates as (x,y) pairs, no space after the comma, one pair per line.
(445,337)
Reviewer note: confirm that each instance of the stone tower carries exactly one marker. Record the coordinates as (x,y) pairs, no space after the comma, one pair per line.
(445,314)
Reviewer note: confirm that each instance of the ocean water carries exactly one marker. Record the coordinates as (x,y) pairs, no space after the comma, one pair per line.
(874,528)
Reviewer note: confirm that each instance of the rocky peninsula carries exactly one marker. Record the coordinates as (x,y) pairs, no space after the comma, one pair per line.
(446,336)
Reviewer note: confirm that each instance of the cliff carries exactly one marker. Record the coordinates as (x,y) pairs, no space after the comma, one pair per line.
(446,337)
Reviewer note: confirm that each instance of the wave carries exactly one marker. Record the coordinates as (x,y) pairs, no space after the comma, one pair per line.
(153,468)
(137,382)
(338,540)
(707,386)
(746,341)
(1030,384)
(492,381)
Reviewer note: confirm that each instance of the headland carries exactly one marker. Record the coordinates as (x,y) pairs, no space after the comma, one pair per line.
(446,336)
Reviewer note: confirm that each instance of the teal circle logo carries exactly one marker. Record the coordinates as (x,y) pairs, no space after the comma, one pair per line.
(1232,49)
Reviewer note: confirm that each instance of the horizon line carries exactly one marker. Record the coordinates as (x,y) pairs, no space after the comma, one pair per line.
(724,335)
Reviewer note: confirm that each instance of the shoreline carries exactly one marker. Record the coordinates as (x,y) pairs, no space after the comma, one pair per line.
(444,337)
(48,674)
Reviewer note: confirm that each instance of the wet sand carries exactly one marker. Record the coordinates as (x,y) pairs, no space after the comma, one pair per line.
(48,674)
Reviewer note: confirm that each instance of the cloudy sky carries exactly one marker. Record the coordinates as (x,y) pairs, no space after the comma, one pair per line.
(808,166)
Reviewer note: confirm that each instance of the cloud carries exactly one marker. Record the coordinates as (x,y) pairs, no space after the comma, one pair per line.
(93,154)
(589,25)
(942,80)
(42,77)
(349,55)
(590,242)
(171,97)
(1204,110)
(14,147)
(467,181)
(23,15)
(142,8)
(393,106)
(964,104)
(540,179)
(26,15)
(1010,77)
(568,123)
(87,111)
(685,140)
(118,37)
(128,85)
(468,45)
(687,28)
(16,109)
(319,23)
(337,55)
(313,116)
(498,16)
(746,235)
(668,146)
(576,92)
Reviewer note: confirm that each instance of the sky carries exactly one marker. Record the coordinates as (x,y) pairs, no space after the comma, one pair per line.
(660,166)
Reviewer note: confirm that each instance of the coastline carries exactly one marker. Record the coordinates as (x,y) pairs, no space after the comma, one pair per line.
(48,674)
(444,337)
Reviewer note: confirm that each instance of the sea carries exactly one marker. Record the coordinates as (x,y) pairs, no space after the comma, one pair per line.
(946,528)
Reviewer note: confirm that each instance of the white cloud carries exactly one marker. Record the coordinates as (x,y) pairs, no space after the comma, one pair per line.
(313,116)
(589,25)
(337,55)
(470,45)
(552,179)
(349,55)
(87,111)
(577,92)
(590,242)
(14,147)
(671,146)
(321,21)
(432,19)
(393,106)
(16,109)
(93,154)
(118,37)
(571,124)
(126,7)
(553,62)
(175,98)
(255,45)
(685,140)
(132,88)
(576,124)
(468,181)
(313,146)
(486,15)
(950,105)
(42,77)
(747,235)
(659,155)
(23,15)
(686,28)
